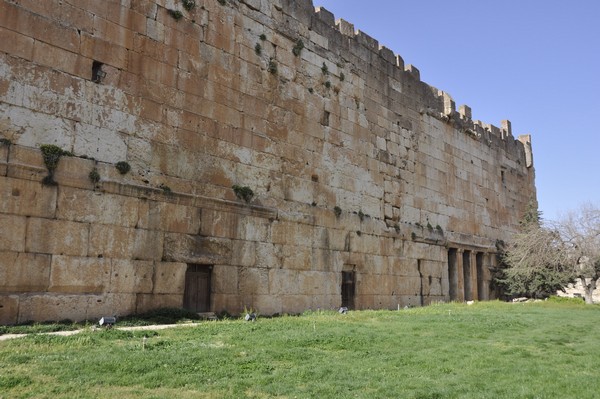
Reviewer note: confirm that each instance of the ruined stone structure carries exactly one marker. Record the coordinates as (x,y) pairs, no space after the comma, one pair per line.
(356,183)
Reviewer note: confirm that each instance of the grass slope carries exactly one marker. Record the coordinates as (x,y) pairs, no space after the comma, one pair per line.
(489,350)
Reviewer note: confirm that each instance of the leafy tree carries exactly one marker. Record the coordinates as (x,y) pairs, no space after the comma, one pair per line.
(545,257)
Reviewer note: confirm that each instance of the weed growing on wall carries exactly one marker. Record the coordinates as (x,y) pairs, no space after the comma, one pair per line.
(51,154)
(189,4)
(297,49)
(337,210)
(243,192)
(123,167)
(166,189)
(272,68)
(94,176)
(176,14)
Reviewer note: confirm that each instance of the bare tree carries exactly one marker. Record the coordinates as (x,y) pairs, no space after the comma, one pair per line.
(580,233)
(543,259)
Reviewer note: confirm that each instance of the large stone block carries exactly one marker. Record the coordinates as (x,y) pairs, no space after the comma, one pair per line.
(196,249)
(9,309)
(170,217)
(268,255)
(267,304)
(51,236)
(131,276)
(97,207)
(147,302)
(225,279)
(110,305)
(24,272)
(220,224)
(243,253)
(54,307)
(70,274)
(169,278)
(253,281)
(12,233)
(283,282)
(16,44)
(110,241)
(296,304)
(147,244)
(28,198)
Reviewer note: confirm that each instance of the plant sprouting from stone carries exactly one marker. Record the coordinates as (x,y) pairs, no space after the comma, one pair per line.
(166,189)
(325,69)
(342,77)
(263,37)
(243,192)
(176,14)
(222,2)
(4,141)
(361,215)
(298,47)
(328,84)
(272,66)
(189,5)
(337,210)
(94,176)
(258,49)
(439,229)
(123,167)
(51,154)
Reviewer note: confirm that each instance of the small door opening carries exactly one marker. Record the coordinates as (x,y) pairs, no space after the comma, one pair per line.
(196,296)
(348,289)
(452,275)
(467,275)
(481,285)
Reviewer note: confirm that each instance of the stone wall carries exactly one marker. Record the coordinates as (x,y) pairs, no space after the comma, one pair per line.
(356,165)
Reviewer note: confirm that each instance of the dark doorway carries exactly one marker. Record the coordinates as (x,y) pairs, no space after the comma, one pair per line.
(467,275)
(481,286)
(196,296)
(348,289)
(452,274)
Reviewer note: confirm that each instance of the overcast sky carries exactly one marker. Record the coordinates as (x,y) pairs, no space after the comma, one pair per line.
(533,62)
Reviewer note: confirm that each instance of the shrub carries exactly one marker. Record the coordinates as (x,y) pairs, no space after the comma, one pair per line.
(176,14)
(94,176)
(337,210)
(51,154)
(297,49)
(243,192)
(189,4)
(123,167)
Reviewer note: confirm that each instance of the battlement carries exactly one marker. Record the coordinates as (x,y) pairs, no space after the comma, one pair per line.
(440,104)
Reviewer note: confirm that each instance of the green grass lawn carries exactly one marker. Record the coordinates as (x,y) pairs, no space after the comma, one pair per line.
(488,350)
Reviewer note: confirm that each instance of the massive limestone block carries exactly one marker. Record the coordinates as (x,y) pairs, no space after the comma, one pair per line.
(51,236)
(72,274)
(24,272)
